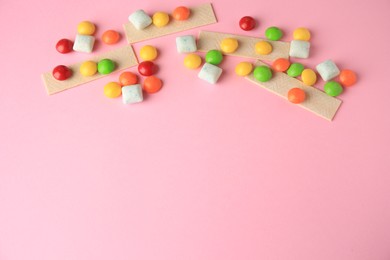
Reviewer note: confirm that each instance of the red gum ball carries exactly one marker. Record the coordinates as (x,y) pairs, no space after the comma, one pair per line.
(147,68)
(61,72)
(247,23)
(64,46)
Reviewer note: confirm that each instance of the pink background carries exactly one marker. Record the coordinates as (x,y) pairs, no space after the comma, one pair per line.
(196,171)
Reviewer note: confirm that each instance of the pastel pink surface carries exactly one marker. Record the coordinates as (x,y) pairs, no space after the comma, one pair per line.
(196,171)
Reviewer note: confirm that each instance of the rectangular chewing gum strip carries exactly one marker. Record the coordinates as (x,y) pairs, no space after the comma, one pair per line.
(316,101)
(200,15)
(246,45)
(123,58)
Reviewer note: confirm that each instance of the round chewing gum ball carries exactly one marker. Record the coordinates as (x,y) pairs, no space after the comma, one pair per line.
(152,84)
(181,13)
(347,78)
(112,90)
(110,37)
(244,69)
(147,68)
(273,33)
(61,72)
(296,95)
(281,65)
(263,48)
(88,68)
(247,23)
(128,78)
(301,34)
(262,73)
(64,46)
(86,28)
(295,70)
(214,57)
(309,77)
(106,66)
(229,45)
(148,53)
(333,88)
(160,19)
(192,61)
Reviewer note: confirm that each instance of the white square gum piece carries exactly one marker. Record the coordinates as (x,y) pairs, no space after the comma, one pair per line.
(186,44)
(132,94)
(210,73)
(84,43)
(140,19)
(299,49)
(328,70)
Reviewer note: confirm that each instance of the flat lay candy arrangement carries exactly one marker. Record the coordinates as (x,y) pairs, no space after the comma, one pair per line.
(288,79)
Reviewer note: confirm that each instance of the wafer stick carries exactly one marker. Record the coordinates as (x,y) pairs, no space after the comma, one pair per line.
(246,45)
(200,15)
(123,57)
(316,101)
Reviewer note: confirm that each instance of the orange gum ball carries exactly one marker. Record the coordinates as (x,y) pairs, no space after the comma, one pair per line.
(281,65)
(347,78)
(110,37)
(128,78)
(181,13)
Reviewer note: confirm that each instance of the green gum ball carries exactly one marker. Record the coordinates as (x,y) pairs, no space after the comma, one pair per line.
(333,88)
(273,33)
(295,69)
(214,57)
(262,73)
(106,66)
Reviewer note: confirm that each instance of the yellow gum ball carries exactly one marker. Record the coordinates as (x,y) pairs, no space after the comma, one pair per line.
(244,68)
(88,68)
(309,77)
(192,61)
(301,34)
(229,45)
(148,53)
(160,19)
(263,48)
(112,90)
(86,28)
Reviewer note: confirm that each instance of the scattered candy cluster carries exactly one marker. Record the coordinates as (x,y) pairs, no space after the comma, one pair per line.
(132,91)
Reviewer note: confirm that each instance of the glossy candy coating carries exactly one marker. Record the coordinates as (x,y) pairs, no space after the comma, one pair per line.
(229,45)
(347,78)
(160,19)
(273,33)
(86,28)
(88,68)
(152,84)
(61,72)
(148,53)
(309,77)
(147,68)
(64,46)
(281,65)
(247,23)
(128,78)
(263,48)
(333,88)
(110,37)
(243,68)
(296,95)
(106,66)
(192,61)
(295,70)
(262,73)
(302,34)
(112,90)
(181,13)
(214,57)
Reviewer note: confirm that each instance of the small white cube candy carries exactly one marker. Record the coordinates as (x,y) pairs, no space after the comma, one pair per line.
(186,44)
(132,94)
(299,49)
(328,70)
(140,19)
(210,73)
(84,43)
